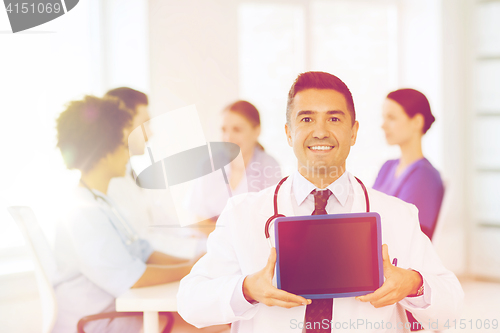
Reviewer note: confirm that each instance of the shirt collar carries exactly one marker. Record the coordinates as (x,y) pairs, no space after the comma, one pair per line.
(301,188)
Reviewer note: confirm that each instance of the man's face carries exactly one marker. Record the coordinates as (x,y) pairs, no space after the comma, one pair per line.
(320,132)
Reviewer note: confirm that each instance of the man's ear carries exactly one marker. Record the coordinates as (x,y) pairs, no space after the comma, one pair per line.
(288,132)
(354,130)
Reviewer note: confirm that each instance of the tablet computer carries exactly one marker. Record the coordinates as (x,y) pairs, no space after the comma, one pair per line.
(329,256)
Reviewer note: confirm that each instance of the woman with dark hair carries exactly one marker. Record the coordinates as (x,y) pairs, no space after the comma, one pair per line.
(412,178)
(99,254)
(241,126)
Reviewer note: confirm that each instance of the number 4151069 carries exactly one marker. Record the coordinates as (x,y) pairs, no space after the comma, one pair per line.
(472,324)
(25,8)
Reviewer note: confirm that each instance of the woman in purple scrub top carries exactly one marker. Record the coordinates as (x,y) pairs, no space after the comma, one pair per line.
(412,178)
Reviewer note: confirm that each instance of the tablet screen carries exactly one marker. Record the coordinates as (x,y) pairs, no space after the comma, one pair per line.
(329,254)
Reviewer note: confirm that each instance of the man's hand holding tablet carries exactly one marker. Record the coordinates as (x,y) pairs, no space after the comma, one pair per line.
(344,233)
(399,283)
(258,288)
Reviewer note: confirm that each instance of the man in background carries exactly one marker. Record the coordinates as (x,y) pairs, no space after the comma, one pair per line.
(149,211)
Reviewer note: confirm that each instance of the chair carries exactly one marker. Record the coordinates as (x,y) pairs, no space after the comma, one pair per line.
(43,260)
(46,273)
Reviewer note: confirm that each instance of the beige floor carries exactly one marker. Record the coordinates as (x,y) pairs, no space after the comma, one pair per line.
(482,301)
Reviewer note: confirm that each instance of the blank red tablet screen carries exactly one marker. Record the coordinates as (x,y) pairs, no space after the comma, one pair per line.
(328,256)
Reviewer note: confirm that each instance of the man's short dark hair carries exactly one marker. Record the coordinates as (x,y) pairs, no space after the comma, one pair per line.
(90,129)
(319,80)
(131,97)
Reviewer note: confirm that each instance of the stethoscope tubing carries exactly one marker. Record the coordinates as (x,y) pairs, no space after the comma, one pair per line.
(131,235)
(275,206)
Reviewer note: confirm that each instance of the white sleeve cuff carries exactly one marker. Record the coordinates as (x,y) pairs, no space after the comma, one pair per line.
(238,302)
(418,302)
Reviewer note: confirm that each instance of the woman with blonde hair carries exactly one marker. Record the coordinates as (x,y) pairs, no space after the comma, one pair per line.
(241,126)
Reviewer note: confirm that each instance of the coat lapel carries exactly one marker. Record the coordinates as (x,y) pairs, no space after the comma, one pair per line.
(359,203)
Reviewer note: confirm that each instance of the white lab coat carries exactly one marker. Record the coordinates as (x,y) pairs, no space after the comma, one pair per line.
(152,214)
(96,259)
(238,247)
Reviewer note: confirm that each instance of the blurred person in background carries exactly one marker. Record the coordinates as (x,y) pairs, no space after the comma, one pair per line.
(241,126)
(412,178)
(148,210)
(99,254)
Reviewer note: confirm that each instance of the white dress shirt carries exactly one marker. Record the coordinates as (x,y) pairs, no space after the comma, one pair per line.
(340,202)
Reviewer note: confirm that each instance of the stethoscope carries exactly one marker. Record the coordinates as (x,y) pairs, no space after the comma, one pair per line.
(130,233)
(275,202)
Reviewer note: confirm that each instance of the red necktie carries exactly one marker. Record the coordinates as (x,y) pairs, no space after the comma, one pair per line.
(319,309)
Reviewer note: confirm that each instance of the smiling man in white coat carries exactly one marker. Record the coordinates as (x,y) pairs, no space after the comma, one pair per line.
(235,281)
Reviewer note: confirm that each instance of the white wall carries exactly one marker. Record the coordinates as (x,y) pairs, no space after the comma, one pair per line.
(194,59)
(41,70)
(438,43)
(420,64)
(45,68)
(432,39)
(125,42)
(452,244)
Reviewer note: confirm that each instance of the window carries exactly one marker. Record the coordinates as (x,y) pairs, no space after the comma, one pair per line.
(355,40)
(271,54)
(46,67)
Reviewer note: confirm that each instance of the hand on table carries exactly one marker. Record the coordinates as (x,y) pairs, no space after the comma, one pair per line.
(258,287)
(206,226)
(399,283)
(197,257)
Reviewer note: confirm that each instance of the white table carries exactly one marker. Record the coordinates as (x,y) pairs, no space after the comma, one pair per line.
(150,300)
